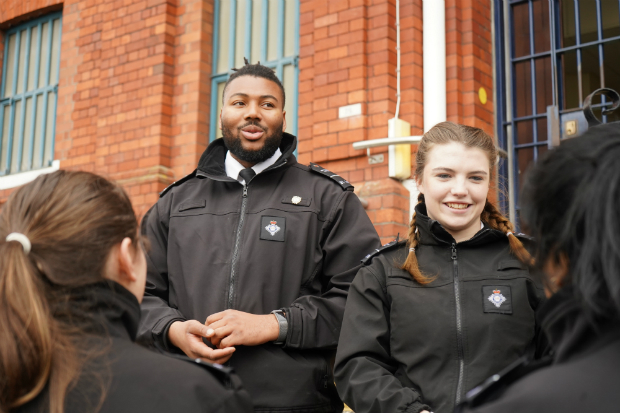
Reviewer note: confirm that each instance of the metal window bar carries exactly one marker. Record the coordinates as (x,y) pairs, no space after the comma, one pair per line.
(13,157)
(278,64)
(506,80)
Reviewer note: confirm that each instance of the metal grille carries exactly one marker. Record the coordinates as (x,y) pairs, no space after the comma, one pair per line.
(261,30)
(28,94)
(551,53)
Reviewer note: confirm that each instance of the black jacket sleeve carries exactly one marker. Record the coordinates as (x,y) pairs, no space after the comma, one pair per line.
(364,370)
(157,315)
(348,234)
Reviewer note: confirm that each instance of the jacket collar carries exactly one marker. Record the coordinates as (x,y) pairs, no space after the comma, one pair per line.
(104,308)
(433,233)
(569,330)
(212,161)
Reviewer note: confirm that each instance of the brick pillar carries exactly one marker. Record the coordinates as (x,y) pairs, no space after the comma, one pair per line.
(122,68)
(469,62)
(387,206)
(469,66)
(348,56)
(192,86)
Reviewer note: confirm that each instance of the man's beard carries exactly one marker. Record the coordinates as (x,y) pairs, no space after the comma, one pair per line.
(234,145)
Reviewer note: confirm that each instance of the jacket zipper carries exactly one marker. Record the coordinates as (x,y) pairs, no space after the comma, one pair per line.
(459,326)
(235,256)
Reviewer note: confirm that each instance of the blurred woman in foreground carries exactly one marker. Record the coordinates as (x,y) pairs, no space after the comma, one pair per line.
(72,274)
(571,204)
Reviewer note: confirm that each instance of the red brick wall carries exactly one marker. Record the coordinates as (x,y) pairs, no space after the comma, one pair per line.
(469,62)
(134,93)
(348,56)
(13,12)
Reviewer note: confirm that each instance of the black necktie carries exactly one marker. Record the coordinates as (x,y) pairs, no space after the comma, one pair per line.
(247,174)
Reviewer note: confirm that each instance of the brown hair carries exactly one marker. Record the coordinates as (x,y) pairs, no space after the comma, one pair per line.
(72,220)
(441,134)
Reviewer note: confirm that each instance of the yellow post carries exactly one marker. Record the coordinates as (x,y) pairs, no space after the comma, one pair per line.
(399,155)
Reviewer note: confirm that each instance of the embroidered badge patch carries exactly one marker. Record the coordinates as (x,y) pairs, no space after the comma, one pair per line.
(272,228)
(497,299)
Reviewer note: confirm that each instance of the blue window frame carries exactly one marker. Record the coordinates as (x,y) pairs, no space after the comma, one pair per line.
(261,30)
(28,94)
(550,54)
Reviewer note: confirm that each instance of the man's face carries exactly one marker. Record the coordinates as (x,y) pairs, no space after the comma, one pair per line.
(252,119)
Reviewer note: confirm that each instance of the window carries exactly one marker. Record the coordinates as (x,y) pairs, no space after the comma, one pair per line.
(261,30)
(550,54)
(28,95)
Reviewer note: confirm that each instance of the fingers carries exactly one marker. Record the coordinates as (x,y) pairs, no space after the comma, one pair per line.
(216,317)
(228,342)
(195,327)
(218,332)
(215,356)
(218,324)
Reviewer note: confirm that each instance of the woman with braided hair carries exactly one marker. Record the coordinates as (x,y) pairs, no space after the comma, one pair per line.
(430,317)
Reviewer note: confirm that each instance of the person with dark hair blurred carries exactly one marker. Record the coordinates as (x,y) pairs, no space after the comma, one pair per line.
(72,275)
(253,254)
(571,204)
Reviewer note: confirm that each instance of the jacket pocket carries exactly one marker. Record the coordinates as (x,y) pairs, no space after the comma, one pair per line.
(200,203)
(511,265)
(297,200)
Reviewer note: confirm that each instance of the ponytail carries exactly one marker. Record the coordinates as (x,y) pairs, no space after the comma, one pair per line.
(26,342)
(33,354)
(494,219)
(411,263)
(56,233)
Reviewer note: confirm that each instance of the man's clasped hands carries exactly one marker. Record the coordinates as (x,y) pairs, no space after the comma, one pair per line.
(224,331)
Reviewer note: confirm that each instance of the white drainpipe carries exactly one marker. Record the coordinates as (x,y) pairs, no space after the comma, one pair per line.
(434,55)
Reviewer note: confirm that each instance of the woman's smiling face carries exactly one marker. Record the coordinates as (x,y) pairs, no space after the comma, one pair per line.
(455,184)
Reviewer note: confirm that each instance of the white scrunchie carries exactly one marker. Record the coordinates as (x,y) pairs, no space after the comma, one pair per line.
(22,239)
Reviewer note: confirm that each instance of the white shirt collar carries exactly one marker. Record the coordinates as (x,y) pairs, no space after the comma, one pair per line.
(233,167)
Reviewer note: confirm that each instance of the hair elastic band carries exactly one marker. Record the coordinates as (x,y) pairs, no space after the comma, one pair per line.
(411,249)
(509,233)
(22,239)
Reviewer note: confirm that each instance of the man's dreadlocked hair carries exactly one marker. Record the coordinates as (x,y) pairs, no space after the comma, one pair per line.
(256,70)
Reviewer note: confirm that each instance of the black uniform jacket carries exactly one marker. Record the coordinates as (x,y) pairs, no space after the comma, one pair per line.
(292,239)
(409,347)
(584,375)
(137,379)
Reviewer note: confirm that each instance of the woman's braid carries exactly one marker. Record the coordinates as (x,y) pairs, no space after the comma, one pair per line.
(411,263)
(494,219)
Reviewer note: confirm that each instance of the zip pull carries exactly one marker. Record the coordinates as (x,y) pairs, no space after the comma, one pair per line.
(453,251)
(245,190)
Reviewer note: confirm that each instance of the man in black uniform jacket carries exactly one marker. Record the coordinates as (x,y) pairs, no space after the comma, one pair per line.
(259,248)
